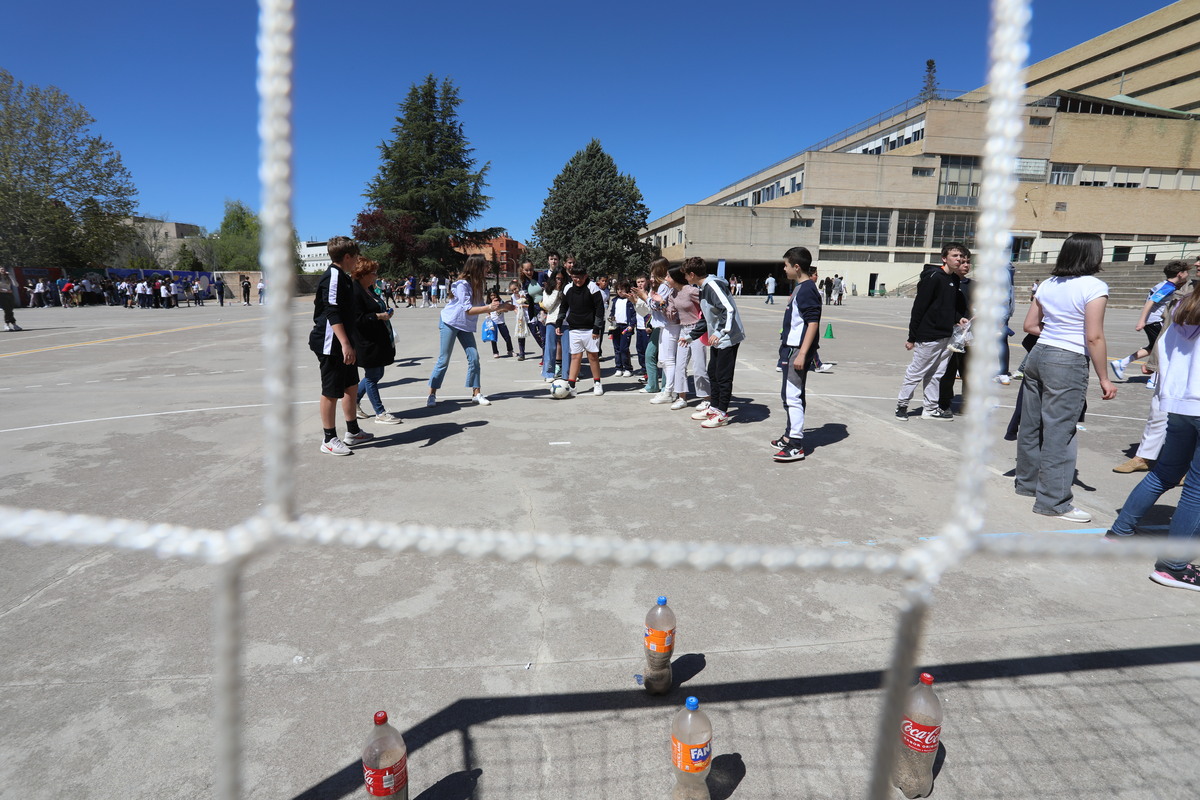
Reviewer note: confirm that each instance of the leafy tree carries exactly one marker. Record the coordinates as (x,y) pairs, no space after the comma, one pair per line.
(186,260)
(63,191)
(237,241)
(427,191)
(929,88)
(593,212)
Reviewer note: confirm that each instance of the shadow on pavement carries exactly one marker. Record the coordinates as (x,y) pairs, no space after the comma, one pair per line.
(726,773)
(461,715)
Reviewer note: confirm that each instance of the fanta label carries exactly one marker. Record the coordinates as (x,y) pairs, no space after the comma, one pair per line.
(922,738)
(659,641)
(691,757)
(387,781)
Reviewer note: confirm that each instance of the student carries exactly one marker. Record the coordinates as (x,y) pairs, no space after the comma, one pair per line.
(1151,320)
(654,298)
(582,308)
(770,290)
(8,300)
(624,322)
(801,324)
(936,308)
(723,326)
(457,323)
(521,318)
(374,340)
(641,313)
(687,306)
(497,318)
(533,295)
(552,294)
(332,340)
(1068,317)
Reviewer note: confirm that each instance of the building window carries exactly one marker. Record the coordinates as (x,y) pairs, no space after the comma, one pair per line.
(953,226)
(1094,175)
(1060,206)
(1160,178)
(1063,174)
(910,228)
(1128,177)
(1038,122)
(1121,253)
(867,227)
(853,255)
(1190,180)
(922,172)
(1031,170)
(796,222)
(961,176)
(756,198)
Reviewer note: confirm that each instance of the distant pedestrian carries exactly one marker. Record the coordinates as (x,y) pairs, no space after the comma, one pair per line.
(8,300)
(221,290)
(245,291)
(262,291)
(935,310)
(770,287)
(1151,319)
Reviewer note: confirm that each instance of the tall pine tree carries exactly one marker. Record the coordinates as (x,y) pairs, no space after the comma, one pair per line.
(428,190)
(593,212)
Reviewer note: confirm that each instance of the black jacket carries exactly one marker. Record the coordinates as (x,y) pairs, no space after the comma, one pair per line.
(373,344)
(582,308)
(938,306)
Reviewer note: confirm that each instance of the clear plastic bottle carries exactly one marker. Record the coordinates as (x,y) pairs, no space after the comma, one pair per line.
(920,732)
(659,641)
(691,750)
(385,761)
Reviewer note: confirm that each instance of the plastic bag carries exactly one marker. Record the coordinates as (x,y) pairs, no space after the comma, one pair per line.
(489,331)
(961,337)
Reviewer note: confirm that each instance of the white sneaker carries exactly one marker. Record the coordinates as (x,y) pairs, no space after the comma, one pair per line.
(362,414)
(662,397)
(597,390)
(703,413)
(678,404)
(826,367)
(1003,380)
(716,420)
(8,326)
(481,400)
(358,438)
(335,447)
(703,405)
(644,390)
(387,418)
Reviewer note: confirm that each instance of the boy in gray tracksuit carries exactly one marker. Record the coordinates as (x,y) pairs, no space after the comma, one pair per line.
(721,321)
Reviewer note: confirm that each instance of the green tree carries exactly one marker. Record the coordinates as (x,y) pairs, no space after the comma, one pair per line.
(237,241)
(186,260)
(929,87)
(594,213)
(64,192)
(428,190)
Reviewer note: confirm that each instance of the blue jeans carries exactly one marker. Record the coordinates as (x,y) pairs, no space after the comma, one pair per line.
(369,386)
(1180,455)
(467,339)
(550,346)
(1054,389)
(651,361)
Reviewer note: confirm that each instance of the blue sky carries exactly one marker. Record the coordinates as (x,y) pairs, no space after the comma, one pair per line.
(686,97)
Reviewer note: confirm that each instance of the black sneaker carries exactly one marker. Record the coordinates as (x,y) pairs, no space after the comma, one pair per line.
(780,443)
(1112,536)
(902,411)
(1186,578)
(789,452)
(937,413)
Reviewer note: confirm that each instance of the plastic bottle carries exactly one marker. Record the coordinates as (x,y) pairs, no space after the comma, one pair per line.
(691,751)
(920,732)
(385,761)
(659,640)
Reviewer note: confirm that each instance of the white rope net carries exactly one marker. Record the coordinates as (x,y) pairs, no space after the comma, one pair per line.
(921,566)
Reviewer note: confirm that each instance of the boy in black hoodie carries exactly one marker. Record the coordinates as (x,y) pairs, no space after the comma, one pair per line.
(938,306)
(582,310)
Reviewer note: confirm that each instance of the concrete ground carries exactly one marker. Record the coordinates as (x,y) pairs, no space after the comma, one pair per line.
(1059,679)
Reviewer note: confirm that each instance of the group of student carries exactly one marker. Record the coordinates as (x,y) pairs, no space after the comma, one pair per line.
(676,318)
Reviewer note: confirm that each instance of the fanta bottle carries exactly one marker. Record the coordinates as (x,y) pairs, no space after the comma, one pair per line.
(920,732)
(691,749)
(385,761)
(659,641)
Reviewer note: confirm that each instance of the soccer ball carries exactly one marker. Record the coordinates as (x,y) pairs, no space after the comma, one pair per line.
(560,389)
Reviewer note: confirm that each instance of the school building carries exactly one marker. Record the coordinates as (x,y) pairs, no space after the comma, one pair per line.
(1110,145)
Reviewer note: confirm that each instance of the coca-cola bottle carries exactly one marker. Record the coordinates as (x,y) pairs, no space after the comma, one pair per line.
(691,751)
(659,640)
(385,761)
(920,732)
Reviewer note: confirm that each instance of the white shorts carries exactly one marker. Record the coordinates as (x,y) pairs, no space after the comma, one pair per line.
(583,342)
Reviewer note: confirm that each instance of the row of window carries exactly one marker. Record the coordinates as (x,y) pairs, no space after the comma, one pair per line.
(1124,177)
(869,227)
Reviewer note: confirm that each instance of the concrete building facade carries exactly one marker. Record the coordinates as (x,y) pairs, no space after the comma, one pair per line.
(875,202)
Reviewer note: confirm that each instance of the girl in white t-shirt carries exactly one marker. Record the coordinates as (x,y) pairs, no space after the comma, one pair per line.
(497,319)
(1068,317)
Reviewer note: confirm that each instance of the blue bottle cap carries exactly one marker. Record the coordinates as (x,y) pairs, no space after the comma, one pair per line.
(691,704)
(662,599)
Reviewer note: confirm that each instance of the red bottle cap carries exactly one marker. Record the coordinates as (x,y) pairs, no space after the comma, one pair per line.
(381,717)
(926,679)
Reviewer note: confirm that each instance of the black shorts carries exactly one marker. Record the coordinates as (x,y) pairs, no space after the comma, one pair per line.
(1152,330)
(336,376)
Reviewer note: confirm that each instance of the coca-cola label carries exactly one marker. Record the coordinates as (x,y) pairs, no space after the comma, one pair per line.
(922,738)
(691,757)
(659,641)
(387,781)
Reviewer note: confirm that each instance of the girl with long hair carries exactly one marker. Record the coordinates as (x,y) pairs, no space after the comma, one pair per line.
(1178,394)
(457,323)
(552,294)
(1068,317)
